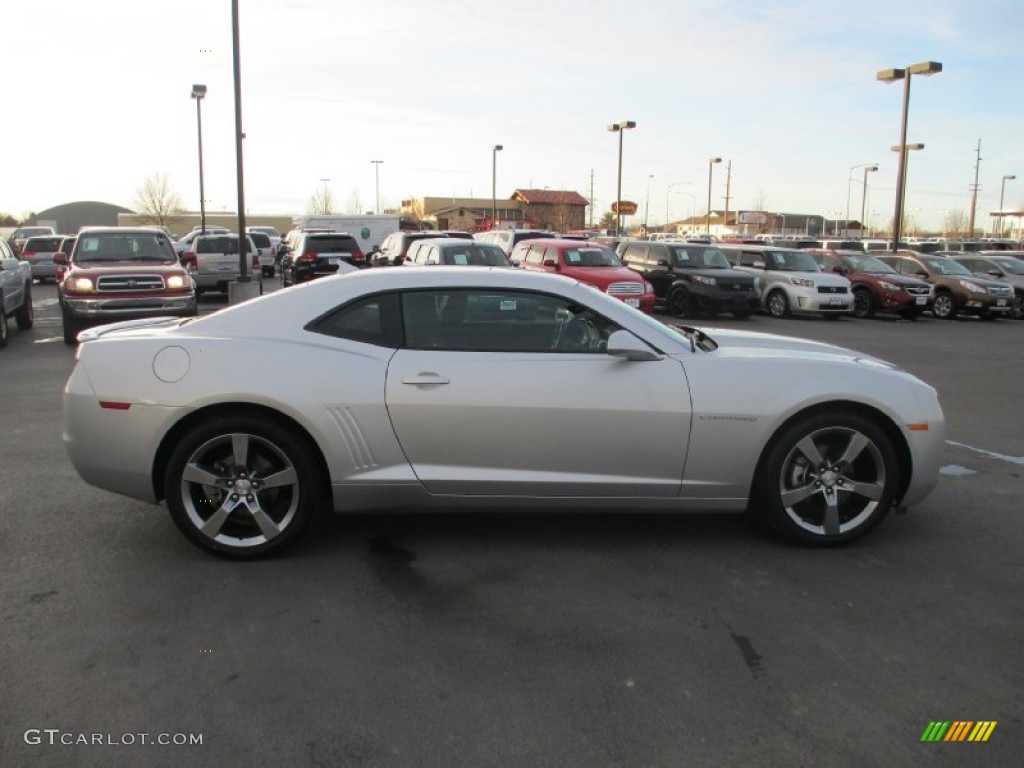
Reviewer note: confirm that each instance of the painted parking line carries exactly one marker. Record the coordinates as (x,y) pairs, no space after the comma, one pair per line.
(43,303)
(48,340)
(990,454)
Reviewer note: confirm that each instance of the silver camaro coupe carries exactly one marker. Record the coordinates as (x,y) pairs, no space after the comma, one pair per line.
(475,388)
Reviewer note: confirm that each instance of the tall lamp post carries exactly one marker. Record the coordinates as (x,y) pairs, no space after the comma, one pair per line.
(243,241)
(891,76)
(376,183)
(620,128)
(711,165)
(494,184)
(199,93)
(1002,189)
(849,181)
(864,196)
(898,224)
(647,201)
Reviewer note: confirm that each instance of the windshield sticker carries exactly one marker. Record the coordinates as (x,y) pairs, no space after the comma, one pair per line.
(508,305)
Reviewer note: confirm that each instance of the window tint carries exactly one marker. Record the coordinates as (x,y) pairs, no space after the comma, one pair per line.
(488,320)
(636,253)
(329,244)
(591,256)
(134,246)
(372,320)
(477,255)
(216,244)
(535,255)
(44,244)
(260,240)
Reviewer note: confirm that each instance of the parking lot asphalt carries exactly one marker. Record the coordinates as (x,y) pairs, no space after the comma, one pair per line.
(520,640)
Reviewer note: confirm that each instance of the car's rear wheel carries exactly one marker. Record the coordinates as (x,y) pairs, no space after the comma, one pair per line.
(778,304)
(828,478)
(242,487)
(863,303)
(944,307)
(25,314)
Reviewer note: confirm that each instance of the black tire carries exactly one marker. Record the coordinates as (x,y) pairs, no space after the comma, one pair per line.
(863,303)
(828,478)
(26,313)
(3,324)
(681,304)
(71,328)
(944,306)
(216,498)
(777,304)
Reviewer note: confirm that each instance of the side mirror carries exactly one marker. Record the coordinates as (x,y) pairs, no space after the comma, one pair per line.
(663,262)
(994,273)
(551,263)
(9,264)
(60,258)
(627,346)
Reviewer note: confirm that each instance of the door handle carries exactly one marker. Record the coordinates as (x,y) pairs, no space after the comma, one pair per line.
(427,377)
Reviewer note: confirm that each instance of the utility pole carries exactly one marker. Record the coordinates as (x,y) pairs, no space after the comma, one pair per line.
(974,190)
(591,198)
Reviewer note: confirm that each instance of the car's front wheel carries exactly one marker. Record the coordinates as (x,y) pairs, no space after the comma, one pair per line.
(3,324)
(944,307)
(863,303)
(681,304)
(828,478)
(242,487)
(778,304)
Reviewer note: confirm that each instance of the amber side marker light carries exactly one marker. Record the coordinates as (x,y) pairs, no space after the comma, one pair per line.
(917,427)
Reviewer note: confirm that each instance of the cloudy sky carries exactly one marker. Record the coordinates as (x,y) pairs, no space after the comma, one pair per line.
(98,99)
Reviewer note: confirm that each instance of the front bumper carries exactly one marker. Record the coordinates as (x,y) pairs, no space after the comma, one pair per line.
(114,308)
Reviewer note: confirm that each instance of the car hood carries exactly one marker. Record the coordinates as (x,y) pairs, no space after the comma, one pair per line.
(734,343)
(601,276)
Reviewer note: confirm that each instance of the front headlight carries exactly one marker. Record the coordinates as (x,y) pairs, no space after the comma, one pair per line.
(80,285)
(803,282)
(889,286)
(703,280)
(973,287)
(176,282)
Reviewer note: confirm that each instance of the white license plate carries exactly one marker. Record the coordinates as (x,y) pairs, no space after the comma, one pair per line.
(226,266)
(1000,302)
(922,300)
(835,300)
(334,261)
(633,302)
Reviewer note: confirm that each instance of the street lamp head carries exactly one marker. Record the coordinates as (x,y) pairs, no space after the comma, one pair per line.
(1010,177)
(925,68)
(498,147)
(625,125)
(891,75)
(910,147)
(714,159)
(871,169)
(198,91)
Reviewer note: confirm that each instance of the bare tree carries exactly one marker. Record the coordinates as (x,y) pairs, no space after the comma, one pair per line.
(608,220)
(954,223)
(156,203)
(353,205)
(320,202)
(759,205)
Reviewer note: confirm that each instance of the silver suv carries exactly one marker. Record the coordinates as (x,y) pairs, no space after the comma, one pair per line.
(791,281)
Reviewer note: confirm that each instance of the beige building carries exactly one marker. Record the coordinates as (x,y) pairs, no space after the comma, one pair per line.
(557,210)
(186,221)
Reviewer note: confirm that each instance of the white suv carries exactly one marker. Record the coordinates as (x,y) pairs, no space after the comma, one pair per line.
(791,281)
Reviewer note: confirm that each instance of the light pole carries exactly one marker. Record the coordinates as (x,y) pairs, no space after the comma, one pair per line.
(326,199)
(668,189)
(199,93)
(376,183)
(849,180)
(898,225)
(494,184)
(891,76)
(864,196)
(620,128)
(1002,189)
(711,165)
(647,201)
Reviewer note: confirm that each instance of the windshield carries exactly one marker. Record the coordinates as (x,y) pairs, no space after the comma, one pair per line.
(791,261)
(943,266)
(217,244)
(870,264)
(340,244)
(702,256)
(124,246)
(1010,265)
(591,256)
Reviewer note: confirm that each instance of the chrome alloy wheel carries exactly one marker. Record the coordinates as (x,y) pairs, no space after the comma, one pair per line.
(240,490)
(832,481)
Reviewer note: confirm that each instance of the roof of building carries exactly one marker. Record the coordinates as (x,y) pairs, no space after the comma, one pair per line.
(549,197)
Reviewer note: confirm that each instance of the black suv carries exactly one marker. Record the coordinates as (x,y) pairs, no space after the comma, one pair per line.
(318,254)
(690,278)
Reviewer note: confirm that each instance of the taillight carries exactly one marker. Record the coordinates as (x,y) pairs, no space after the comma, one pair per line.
(255,260)
(25,254)
(358,256)
(307,257)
